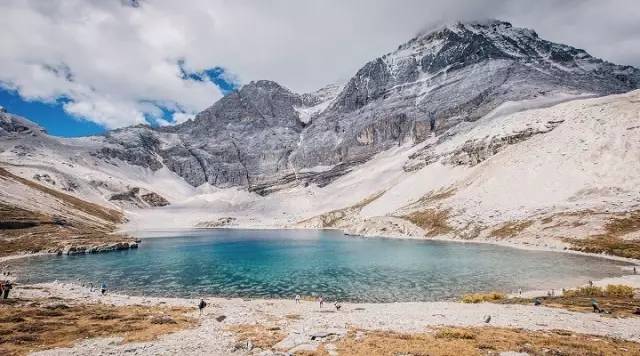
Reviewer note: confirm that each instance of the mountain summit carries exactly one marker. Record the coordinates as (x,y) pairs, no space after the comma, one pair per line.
(264,136)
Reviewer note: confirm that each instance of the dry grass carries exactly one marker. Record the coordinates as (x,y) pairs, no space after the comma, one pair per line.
(481,341)
(334,217)
(433,221)
(609,245)
(23,230)
(623,225)
(587,291)
(619,291)
(261,336)
(611,241)
(96,210)
(31,325)
(611,290)
(436,196)
(482,297)
(511,229)
(619,303)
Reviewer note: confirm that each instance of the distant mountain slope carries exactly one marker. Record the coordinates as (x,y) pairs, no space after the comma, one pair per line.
(564,176)
(475,131)
(264,137)
(35,218)
(443,78)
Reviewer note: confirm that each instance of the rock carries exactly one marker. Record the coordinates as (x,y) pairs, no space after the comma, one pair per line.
(265,138)
(135,197)
(303,348)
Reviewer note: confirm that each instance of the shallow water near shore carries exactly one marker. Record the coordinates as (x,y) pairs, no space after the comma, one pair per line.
(283,263)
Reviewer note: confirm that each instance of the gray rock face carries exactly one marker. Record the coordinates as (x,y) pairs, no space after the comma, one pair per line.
(12,125)
(257,137)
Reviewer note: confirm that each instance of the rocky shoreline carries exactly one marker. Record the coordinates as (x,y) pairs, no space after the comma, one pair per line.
(306,326)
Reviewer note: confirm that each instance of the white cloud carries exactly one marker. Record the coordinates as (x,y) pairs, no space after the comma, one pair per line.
(122,61)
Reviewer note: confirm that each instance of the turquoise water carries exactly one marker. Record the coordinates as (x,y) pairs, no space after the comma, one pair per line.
(280,264)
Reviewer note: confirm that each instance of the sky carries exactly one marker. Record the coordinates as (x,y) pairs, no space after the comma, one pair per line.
(79,67)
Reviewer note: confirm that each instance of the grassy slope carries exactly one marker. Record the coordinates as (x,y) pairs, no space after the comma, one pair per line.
(79,223)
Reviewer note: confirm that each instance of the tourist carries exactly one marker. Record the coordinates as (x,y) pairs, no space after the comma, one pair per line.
(103,288)
(520,292)
(634,270)
(297,298)
(6,287)
(337,305)
(596,307)
(90,286)
(590,283)
(553,292)
(202,305)
(321,301)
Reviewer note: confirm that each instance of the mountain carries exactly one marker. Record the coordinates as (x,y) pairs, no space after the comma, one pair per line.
(264,136)
(475,130)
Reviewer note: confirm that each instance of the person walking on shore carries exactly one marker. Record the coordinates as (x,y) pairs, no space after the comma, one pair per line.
(103,288)
(297,298)
(201,306)
(6,287)
(321,301)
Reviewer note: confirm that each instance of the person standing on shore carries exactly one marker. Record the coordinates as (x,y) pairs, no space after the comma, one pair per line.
(103,288)
(6,287)
(321,301)
(520,292)
(201,306)
(297,298)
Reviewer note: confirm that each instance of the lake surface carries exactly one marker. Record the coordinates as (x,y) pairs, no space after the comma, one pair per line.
(283,263)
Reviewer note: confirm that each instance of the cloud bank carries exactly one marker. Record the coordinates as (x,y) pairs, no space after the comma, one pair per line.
(121,62)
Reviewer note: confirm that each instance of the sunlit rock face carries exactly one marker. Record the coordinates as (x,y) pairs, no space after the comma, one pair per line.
(264,136)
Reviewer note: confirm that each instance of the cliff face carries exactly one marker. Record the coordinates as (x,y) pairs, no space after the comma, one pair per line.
(264,136)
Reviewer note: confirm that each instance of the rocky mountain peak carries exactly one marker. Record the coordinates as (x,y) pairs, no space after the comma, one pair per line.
(264,136)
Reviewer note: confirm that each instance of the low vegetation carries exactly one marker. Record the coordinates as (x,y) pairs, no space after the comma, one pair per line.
(481,341)
(511,229)
(433,221)
(611,290)
(28,325)
(260,336)
(609,245)
(482,297)
(612,241)
(23,230)
(617,300)
(334,217)
(92,209)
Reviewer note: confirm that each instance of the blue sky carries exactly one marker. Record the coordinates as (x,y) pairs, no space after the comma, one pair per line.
(57,122)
